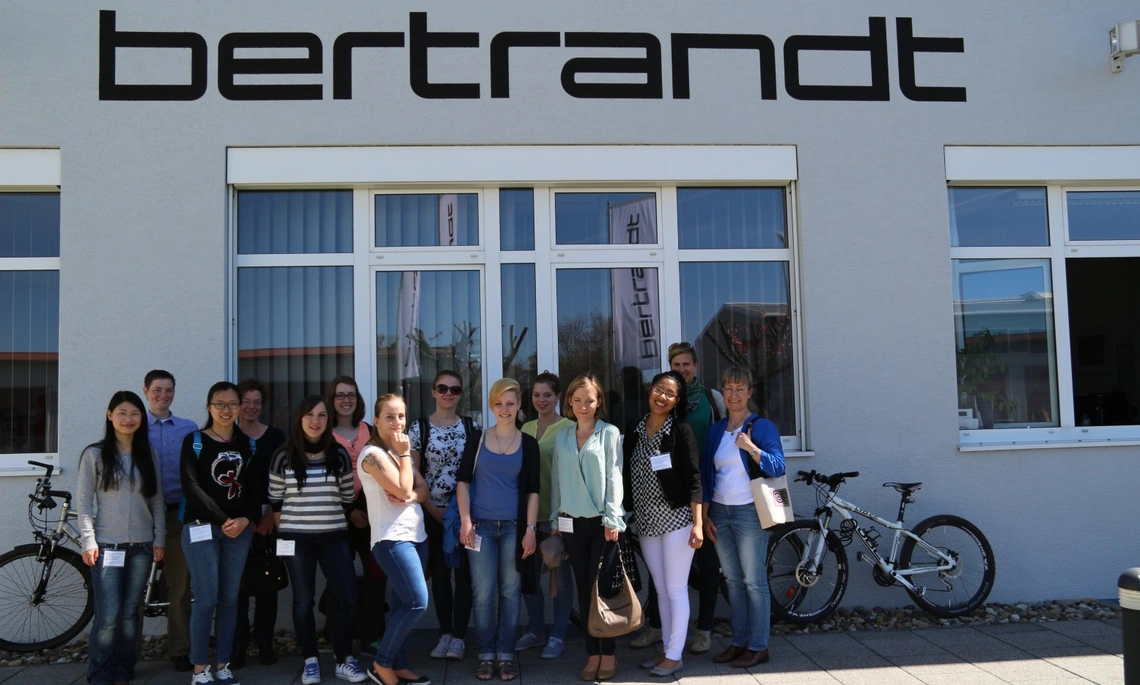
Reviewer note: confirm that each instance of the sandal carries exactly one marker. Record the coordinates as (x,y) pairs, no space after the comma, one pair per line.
(508,670)
(485,670)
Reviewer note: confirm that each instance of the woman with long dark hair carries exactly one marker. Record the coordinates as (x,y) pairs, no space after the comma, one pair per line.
(122,526)
(310,485)
(662,482)
(223,495)
(394,490)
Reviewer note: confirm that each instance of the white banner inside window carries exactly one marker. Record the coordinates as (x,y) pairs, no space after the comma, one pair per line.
(636,310)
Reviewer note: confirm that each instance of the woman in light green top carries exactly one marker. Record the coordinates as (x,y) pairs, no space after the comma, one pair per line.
(545,394)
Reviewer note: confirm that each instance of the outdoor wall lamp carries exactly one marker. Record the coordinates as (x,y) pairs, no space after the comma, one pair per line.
(1123,41)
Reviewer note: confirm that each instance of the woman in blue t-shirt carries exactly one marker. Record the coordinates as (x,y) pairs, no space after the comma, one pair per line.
(498,484)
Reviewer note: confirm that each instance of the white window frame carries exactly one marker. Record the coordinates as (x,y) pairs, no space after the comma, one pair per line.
(1061,170)
(28,170)
(485,170)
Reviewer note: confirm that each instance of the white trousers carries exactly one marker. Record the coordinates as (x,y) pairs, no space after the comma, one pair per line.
(669,558)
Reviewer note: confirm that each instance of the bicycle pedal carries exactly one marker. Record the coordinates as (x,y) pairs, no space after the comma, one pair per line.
(860,556)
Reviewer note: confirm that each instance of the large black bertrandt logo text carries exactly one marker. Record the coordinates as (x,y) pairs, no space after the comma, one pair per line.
(419,41)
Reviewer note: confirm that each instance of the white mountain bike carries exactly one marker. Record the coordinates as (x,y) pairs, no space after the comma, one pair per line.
(944,563)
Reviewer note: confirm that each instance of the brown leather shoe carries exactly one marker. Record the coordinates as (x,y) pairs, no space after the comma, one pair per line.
(730,654)
(749,659)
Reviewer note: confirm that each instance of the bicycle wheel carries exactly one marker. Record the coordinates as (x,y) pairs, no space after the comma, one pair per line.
(804,590)
(949,590)
(36,613)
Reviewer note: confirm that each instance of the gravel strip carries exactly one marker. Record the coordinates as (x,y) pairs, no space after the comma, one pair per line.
(845,619)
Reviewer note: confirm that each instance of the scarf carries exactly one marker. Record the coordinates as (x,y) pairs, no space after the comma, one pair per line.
(696,390)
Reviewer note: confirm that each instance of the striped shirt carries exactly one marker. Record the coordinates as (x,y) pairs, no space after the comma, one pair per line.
(318,507)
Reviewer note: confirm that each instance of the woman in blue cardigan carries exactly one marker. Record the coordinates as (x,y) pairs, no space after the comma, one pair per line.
(738,448)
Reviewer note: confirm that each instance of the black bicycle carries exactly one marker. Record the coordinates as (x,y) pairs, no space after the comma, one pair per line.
(45,588)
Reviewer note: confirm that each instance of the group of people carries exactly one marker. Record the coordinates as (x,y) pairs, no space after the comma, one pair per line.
(439,494)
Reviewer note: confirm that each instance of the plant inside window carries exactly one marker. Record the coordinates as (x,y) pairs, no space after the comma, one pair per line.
(980,371)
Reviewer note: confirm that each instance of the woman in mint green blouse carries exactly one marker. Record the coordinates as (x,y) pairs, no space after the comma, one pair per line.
(585,502)
(545,395)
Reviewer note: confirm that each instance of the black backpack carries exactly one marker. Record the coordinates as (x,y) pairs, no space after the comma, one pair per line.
(425,433)
(712,403)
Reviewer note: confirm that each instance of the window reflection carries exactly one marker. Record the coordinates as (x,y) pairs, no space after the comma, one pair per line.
(520,347)
(985,217)
(427,220)
(428,321)
(590,218)
(1003,323)
(739,314)
(29,224)
(622,350)
(294,332)
(1109,215)
(516,219)
(724,218)
(294,221)
(29,361)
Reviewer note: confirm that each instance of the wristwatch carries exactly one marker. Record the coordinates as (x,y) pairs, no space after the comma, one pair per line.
(532,527)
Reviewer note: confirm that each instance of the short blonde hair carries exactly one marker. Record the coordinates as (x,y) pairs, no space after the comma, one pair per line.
(584,381)
(736,374)
(501,386)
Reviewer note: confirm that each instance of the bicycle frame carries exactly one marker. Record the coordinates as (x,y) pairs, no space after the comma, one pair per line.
(888,565)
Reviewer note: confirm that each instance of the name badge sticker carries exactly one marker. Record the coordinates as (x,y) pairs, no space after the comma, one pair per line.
(286,548)
(565,524)
(200,533)
(661,462)
(114,558)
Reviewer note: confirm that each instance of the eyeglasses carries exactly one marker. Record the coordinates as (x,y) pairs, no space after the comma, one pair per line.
(251,403)
(681,346)
(453,389)
(222,406)
(342,396)
(667,394)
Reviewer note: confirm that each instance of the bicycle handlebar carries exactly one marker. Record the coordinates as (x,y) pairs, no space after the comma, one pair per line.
(50,467)
(813,476)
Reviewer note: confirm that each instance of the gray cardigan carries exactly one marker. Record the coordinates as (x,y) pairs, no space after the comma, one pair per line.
(124,515)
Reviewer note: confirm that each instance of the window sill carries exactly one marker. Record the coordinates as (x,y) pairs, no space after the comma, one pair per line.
(1043,445)
(17,464)
(799,454)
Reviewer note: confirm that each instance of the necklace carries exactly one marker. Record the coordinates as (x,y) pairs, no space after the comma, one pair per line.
(499,443)
(730,429)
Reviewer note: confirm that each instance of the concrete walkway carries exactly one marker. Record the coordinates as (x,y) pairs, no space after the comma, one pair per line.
(1042,654)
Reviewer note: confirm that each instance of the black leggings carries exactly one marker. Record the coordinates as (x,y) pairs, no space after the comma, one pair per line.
(452,609)
(585,546)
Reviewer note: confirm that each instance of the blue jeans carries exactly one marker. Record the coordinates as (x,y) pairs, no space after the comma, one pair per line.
(535,604)
(742,546)
(215,567)
(403,561)
(496,589)
(336,563)
(118,594)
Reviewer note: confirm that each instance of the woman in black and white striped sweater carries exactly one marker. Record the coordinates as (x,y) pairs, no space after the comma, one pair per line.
(310,489)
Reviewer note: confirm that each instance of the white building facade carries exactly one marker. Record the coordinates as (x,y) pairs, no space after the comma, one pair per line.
(918,225)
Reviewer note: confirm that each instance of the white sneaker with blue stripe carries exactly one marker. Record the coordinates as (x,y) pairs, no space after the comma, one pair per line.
(350,671)
(312,673)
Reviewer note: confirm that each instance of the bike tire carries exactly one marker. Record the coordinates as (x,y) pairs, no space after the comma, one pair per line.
(962,589)
(793,598)
(65,609)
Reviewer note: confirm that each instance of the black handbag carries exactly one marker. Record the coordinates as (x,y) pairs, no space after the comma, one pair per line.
(629,562)
(264,572)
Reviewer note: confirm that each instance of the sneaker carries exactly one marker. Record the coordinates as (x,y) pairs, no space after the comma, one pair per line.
(181,663)
(224,676)
(702,642)
(312,673)
(646,637)
(529,640)
(350,671)
(553,649)
(202,678)
(456,649)
(440,651)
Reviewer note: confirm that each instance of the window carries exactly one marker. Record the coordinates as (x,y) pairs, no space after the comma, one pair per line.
(544,256)
(29,318)
(1046,308)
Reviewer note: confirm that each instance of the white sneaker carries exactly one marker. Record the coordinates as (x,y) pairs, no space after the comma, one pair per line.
(440,651)
(312,673)
(202,678)
(455,651)
(648,636)
(701,643)
(350,671)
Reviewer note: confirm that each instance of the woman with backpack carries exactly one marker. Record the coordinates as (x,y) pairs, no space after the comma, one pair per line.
(310,486)
(223,494)
(122,528)
(738,446)
(438,442)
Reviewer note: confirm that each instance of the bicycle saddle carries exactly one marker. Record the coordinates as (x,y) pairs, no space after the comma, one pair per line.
(904,487)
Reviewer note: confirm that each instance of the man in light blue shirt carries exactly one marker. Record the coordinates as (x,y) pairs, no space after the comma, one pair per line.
(167,432)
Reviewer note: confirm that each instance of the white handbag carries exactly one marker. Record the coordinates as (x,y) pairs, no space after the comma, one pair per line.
(771,496)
